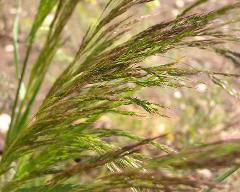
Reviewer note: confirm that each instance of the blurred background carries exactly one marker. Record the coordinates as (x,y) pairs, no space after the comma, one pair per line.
(203,111)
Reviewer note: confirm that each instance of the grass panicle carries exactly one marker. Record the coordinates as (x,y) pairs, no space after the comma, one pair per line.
(105,73)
